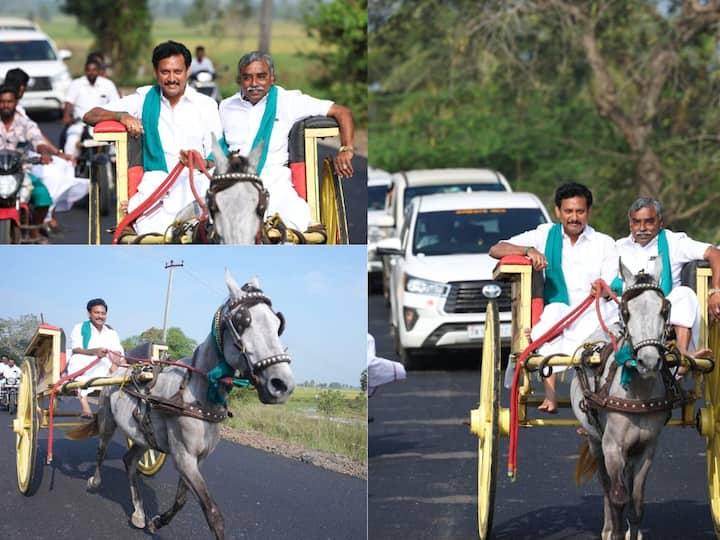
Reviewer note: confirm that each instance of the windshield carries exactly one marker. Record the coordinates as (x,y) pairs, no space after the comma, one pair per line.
(411,192)
(471,231)
(15,51)
(376,197)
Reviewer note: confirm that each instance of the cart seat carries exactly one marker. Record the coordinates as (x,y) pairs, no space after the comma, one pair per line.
(134,166)
(142,352)
(296,147)
(537,286)
(688,274)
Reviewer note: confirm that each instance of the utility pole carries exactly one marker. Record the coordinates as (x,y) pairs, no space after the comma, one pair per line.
(172,266)
(266,9)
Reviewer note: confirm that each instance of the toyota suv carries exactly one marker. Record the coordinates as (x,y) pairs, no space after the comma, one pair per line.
(36,54)
(441,265)
(379,221)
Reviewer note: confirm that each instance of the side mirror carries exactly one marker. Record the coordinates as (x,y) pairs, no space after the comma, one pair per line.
(389,246)
(64,54)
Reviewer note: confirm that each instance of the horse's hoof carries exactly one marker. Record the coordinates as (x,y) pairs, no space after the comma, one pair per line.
(153,524)
(92,483)
(138,521)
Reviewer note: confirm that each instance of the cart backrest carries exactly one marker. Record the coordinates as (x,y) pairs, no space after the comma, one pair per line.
(689,275)
(47,347)
(145,351)
(326,127)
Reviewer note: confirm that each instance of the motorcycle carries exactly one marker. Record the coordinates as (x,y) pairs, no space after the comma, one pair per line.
(14,214)
(204,82)
(8,394)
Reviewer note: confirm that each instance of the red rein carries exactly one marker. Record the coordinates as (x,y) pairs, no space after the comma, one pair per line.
(194,160)
(552,333)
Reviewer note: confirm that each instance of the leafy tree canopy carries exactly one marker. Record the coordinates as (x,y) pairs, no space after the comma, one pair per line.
(341,28)
(179,345)
(15,335)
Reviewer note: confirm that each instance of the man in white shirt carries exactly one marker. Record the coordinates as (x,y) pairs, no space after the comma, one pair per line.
(92,339)
(173,118)
(201,62)
(12,372)
(573,255)
(649,241)
(244,128)
(90,90)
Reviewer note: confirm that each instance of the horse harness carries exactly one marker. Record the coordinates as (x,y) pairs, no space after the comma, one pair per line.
(601,399)
(221,182)
(229,315)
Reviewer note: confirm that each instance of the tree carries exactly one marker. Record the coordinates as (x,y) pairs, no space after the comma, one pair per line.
(179,345)
(364,380)
(121,30)
(15,335)
(619,95)
(341,72)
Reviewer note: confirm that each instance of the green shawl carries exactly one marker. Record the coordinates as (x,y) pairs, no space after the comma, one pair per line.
(555,286)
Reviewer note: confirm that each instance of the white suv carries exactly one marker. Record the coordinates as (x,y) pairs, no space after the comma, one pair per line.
(441,265)
(36,54)
(379,221)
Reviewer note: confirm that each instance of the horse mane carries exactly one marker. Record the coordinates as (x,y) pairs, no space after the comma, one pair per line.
(643,278)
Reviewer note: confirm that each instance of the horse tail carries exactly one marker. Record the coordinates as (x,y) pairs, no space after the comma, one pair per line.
(586,465)
(85,431)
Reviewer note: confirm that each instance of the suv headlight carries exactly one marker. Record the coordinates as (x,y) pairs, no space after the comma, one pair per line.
(425,286)
(8,185)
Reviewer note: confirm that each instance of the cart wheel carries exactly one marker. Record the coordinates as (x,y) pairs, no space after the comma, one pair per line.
(484,421)
(151,461)
(26,426)
(712,451)
(332,206)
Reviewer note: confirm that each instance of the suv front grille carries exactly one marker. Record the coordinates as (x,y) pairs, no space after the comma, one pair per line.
(39,84)
(467,297)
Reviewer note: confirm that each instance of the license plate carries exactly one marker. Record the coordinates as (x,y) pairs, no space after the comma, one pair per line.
(476,331)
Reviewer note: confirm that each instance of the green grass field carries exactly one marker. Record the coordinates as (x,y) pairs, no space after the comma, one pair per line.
(288,39)
(343,431)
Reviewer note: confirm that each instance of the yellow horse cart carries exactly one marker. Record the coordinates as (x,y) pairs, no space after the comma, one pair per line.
(316,182)
(490,420)
(40,383)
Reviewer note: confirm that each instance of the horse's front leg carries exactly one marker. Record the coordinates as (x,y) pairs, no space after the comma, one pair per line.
(636,507)
(616,494)
(106,429)
(188,467)
(131,459)
(163,519)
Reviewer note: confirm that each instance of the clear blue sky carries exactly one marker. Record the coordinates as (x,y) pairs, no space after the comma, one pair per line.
(321,290)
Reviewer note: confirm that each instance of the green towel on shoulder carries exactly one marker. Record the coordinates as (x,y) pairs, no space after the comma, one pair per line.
(555,286)
(86,332)
(266,126)
(666,274)
(153,154)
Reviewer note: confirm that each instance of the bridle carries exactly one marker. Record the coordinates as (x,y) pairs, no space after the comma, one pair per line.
(632,292)
(236,317)
(221,182)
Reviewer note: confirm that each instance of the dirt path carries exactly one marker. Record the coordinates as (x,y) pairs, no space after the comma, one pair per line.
(326,460)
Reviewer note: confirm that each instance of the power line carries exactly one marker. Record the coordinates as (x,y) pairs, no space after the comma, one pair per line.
(172,266)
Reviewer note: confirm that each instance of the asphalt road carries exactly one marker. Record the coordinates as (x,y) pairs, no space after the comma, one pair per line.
(423,466)
(261,495)
(75,221)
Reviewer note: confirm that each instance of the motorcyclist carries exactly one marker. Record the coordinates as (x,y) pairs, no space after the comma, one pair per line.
(16,131)
(200,62)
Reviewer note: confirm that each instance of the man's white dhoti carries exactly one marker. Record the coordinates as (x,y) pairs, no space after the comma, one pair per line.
(162,214)
(284,200)
(574,335)
(64,187)
(685,312)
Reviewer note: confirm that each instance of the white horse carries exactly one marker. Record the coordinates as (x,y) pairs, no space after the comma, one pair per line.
(236,202)
(179,413)
(624,416)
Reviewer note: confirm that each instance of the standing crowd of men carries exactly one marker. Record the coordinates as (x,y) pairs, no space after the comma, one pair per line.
(173,119)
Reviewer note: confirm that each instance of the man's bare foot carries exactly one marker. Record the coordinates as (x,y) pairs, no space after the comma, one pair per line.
(548,406)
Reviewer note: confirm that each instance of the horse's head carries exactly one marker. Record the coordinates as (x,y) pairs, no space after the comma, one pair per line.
(645,310)
(250,331)
(236,197)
